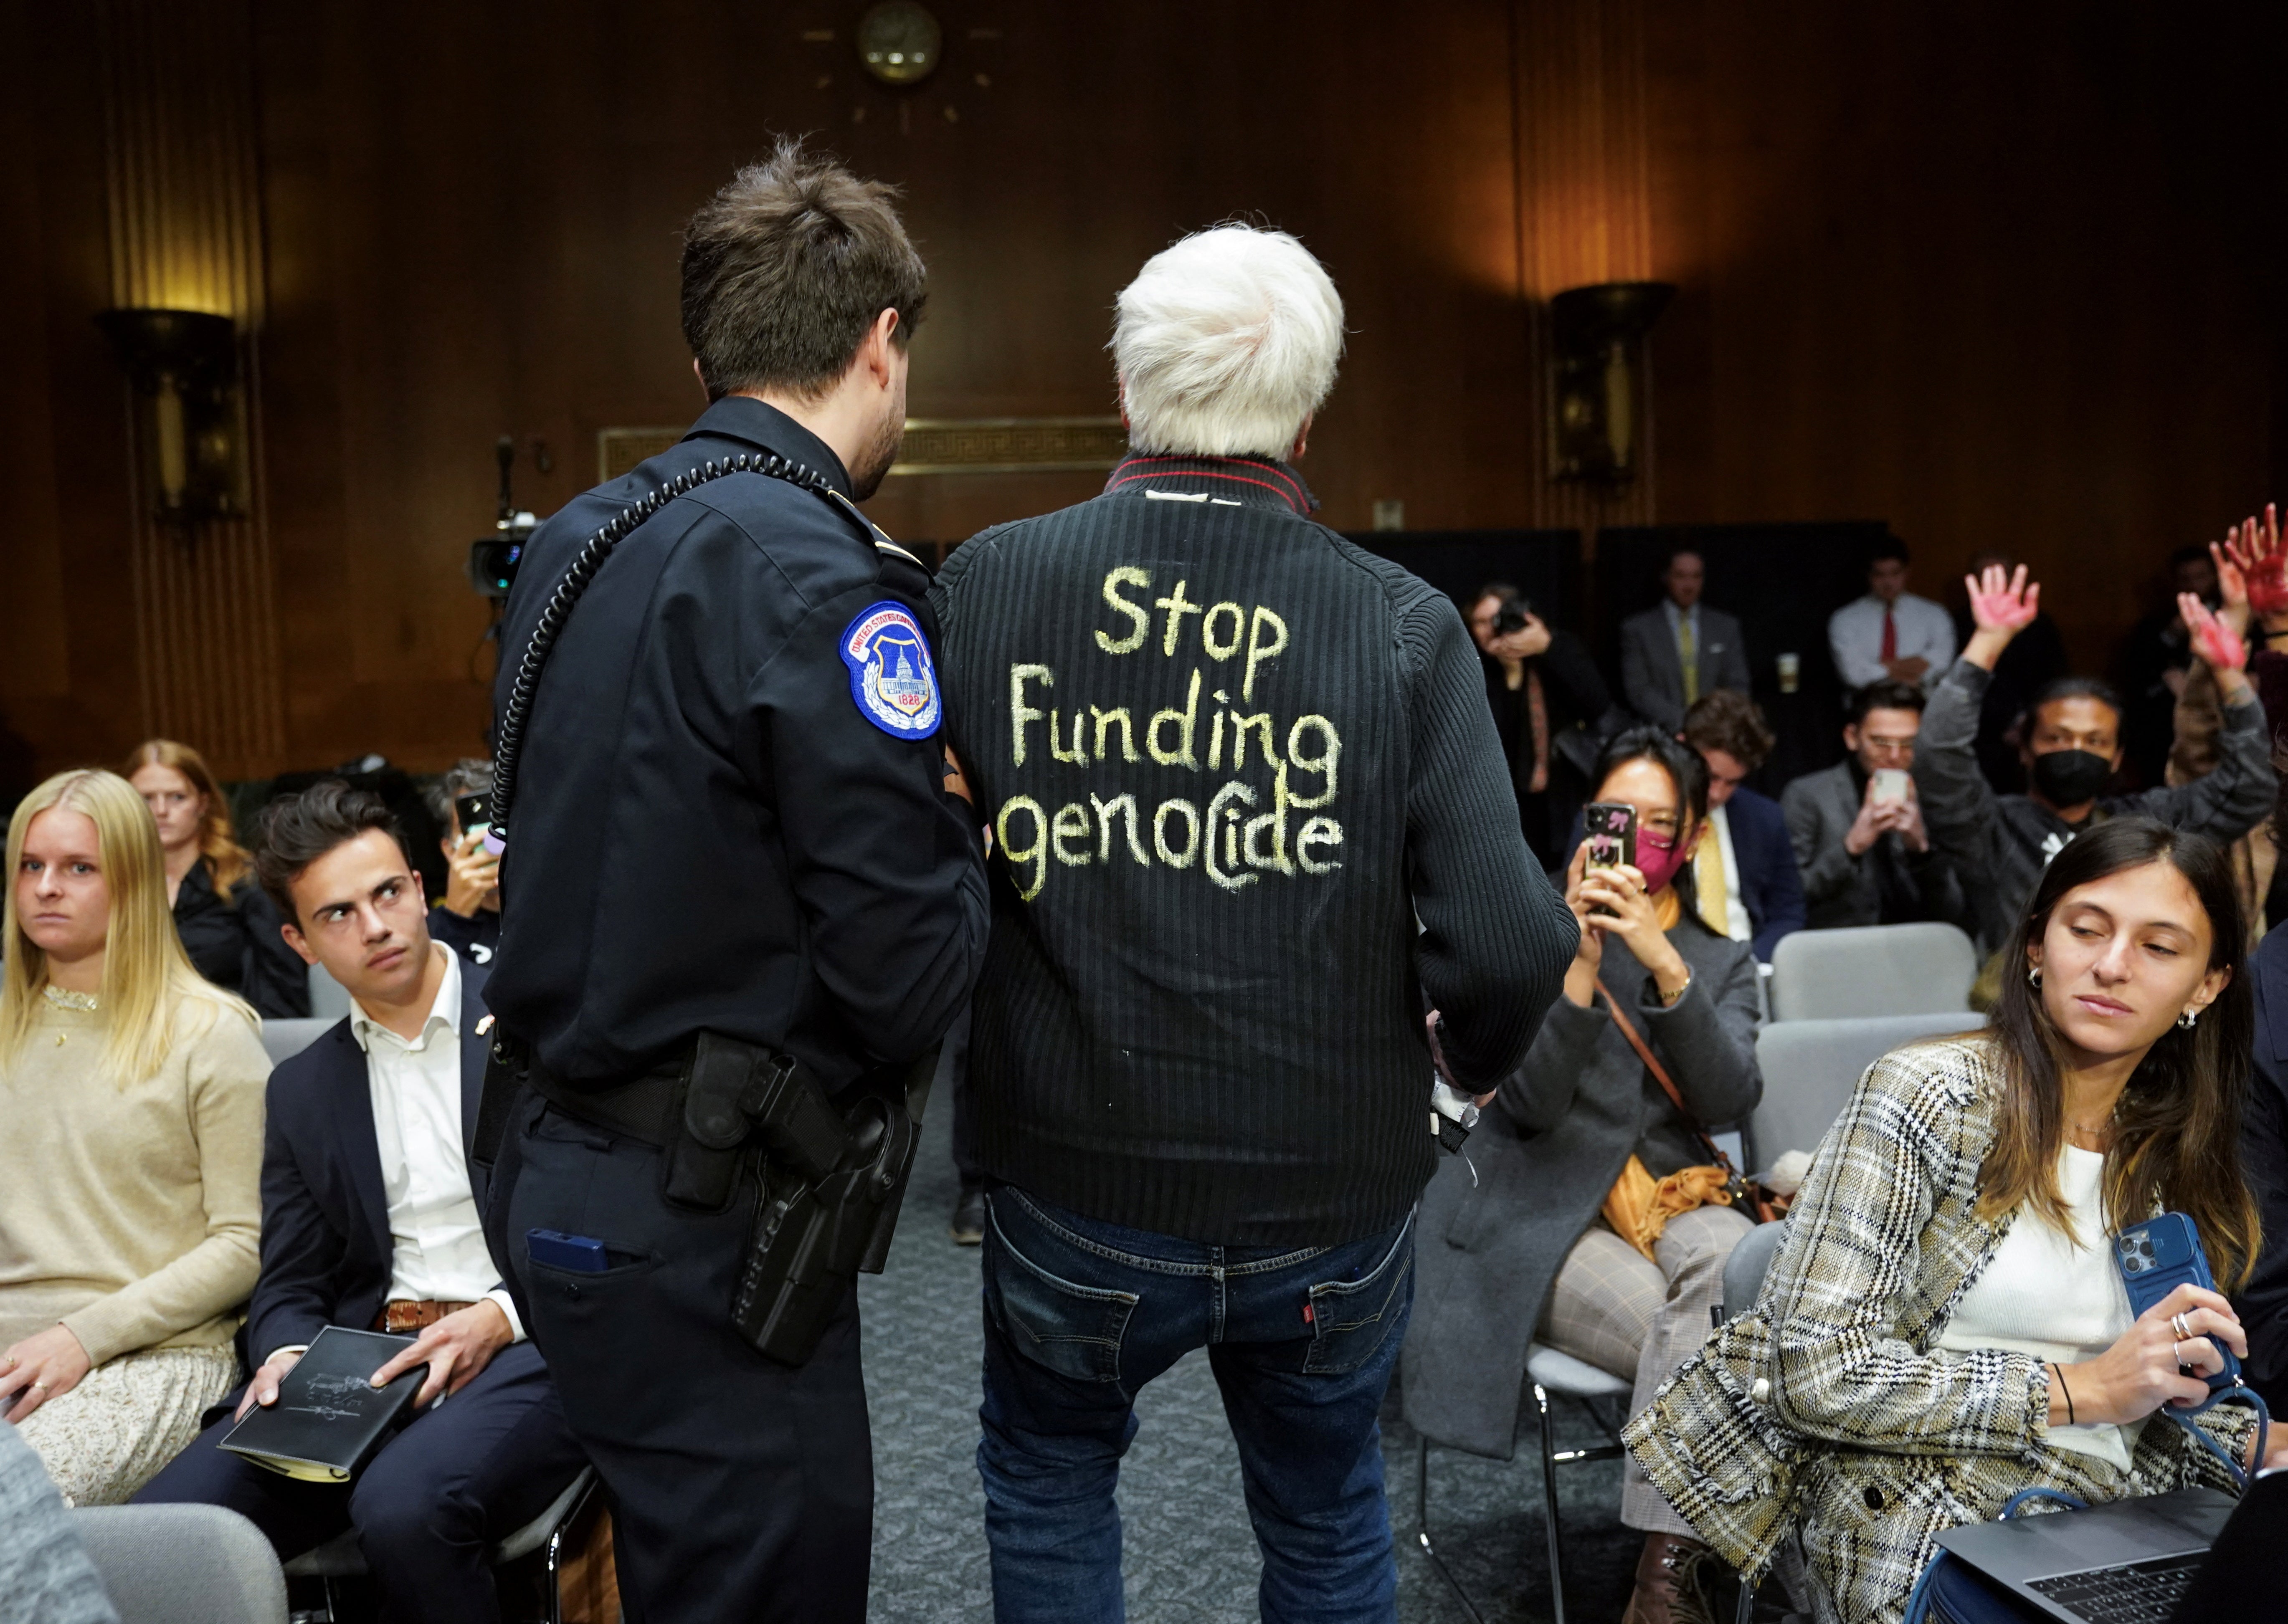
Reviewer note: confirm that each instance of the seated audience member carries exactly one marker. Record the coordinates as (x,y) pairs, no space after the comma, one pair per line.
(1999,843)
(370,1219)
(2034,659)
(1744,876)
(467,919)
(1944,1324)
(2154,660)
(1531,1250)
(1867,861)
(1547,698)
(227,925)
(1680,649)
(130,1146)
(1890,635)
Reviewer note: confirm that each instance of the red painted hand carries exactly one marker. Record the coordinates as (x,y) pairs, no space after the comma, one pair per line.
(2216,642)
(2003,602)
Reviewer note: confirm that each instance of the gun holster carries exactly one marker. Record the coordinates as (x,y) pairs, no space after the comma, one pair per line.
(831,1180)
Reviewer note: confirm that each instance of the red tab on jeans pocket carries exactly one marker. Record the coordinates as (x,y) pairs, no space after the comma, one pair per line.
(1308,1317)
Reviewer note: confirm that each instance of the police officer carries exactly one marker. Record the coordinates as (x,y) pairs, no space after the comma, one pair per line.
(729,851)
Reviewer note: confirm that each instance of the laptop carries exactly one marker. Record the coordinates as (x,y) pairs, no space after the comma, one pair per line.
(2127,1563)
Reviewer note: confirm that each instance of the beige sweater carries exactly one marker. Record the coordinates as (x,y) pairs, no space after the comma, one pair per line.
(131,1214)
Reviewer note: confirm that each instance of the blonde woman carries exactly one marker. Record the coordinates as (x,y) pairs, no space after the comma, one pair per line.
(130,1149)
(228,927)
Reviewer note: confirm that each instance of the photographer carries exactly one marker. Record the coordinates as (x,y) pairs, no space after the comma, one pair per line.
(1547,700)
(1859,837)
(467,918)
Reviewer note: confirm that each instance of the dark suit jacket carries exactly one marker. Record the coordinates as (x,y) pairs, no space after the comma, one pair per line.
(1770,887)
(1652,677)
(2263,1301)
(325,1248)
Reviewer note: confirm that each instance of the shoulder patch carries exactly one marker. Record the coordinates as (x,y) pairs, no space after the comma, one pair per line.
(892,677)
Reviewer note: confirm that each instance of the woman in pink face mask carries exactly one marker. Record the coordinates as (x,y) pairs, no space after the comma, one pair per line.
(1532,1254)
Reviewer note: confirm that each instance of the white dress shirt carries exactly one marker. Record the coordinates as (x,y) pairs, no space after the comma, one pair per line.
(1854,638)
(437,1244)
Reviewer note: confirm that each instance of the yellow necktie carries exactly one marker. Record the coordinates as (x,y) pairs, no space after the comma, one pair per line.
(1710,884)
(1688,657)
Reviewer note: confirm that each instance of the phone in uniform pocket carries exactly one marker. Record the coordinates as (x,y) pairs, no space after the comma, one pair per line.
(2157,1256)
(558,1250)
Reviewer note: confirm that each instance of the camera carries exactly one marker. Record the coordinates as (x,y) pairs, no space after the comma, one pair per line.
(493,559)
(1510,616)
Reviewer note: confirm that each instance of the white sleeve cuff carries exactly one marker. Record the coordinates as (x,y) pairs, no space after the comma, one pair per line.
(295,1347)
(499,1295)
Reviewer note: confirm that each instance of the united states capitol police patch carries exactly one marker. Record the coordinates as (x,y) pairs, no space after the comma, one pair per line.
(891,675)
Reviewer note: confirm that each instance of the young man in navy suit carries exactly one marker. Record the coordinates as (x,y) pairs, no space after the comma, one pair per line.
(369,1219)
(1744,872)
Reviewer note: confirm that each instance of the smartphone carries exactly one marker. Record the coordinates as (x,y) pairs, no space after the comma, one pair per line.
(475,812)
(1610,831)
(2157,1258)
(559,1250)
(1890,786)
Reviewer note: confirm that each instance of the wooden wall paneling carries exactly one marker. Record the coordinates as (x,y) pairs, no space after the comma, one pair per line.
(184,195)
(65,549)
(1977,271)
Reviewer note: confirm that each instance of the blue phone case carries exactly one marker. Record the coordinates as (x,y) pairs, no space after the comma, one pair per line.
(2157,1258)
(559,1250)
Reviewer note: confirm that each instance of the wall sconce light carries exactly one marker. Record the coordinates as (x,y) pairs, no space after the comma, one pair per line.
(184,367)
(1597,378)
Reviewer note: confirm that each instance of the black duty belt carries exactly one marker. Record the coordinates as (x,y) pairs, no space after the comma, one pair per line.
(648,1109)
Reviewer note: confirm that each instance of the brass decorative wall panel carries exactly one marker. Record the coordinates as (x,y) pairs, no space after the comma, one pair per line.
(937,445)
(185,213)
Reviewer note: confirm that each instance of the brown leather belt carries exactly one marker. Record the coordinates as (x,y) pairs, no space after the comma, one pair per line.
(403,1316)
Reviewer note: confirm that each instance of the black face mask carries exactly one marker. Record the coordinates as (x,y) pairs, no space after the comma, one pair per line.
(2067,777)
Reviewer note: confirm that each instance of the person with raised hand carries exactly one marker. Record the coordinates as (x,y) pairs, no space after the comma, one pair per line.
(2071,749)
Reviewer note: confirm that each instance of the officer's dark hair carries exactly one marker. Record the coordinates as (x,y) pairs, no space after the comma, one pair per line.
(1889,549)
(1886,695)
(299,829)
(786,268)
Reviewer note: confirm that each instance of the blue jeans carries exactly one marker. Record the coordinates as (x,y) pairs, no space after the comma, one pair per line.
(1080,1314)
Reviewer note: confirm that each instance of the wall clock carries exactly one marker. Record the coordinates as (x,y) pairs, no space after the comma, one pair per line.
(900,42)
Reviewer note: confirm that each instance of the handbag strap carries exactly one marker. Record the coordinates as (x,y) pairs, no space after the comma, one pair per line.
(1667,1083)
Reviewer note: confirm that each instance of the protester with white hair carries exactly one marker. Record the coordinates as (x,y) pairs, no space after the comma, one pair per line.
(1229,760)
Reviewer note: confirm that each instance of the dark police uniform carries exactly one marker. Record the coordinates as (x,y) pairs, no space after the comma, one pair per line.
(728,817)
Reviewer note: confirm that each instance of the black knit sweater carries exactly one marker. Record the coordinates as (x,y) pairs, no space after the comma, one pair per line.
(1230,760)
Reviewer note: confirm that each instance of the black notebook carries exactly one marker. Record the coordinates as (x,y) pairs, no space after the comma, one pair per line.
(330,1418)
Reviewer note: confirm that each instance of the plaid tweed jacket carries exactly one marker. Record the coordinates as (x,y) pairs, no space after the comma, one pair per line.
(1828,1410)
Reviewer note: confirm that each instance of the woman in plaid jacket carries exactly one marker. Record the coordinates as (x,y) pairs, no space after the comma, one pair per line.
(1944,1325)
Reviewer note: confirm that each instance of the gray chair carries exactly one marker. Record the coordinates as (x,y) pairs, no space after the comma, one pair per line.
(1744,1283)
(1810,1067)
(340,1557)
(183,1565)
(286,1038)
(1875,970)
(330,1000)
(1548,1374)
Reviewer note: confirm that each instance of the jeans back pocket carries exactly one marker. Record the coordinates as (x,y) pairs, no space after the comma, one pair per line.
(1350,1319)
(1073,1329)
